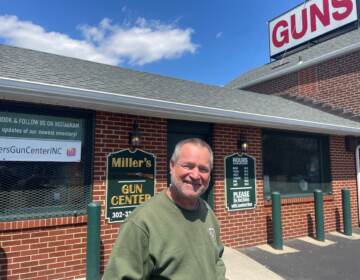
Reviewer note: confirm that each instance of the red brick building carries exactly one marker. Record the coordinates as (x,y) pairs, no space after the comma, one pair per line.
(296,114)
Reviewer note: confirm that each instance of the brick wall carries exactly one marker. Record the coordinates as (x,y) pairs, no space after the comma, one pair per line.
(43,249)
(56,248)
(251,227)
(335,82)
(112,135)
(287,84)
(343,171)
(238,228)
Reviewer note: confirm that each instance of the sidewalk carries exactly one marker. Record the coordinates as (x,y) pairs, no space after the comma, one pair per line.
(302,259)
(241,267)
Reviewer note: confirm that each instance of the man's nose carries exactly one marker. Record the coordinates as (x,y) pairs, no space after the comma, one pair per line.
(195,174)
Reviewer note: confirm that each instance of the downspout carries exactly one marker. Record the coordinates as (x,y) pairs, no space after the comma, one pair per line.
(358,179)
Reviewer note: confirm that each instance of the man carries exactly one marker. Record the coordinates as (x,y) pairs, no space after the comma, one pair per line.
(175,235)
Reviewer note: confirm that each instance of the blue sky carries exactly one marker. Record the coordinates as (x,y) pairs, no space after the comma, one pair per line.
(208,41)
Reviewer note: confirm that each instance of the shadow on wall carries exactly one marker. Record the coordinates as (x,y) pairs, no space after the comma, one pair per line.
(337,220)
(3,265)
(102,257)
(310,226)
(269,236)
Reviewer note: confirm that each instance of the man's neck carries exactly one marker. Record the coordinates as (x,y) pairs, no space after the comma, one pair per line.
(185,203)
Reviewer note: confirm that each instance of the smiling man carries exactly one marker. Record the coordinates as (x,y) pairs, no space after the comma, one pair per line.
(175,235)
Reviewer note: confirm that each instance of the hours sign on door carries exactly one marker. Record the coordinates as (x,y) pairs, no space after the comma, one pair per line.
(240,183)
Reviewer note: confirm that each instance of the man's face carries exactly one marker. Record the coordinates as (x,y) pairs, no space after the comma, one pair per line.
(190,175)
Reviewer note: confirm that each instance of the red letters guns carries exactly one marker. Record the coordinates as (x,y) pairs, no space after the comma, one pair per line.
(308,21)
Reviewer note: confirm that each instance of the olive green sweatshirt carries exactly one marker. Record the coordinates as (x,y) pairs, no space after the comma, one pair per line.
(160,240)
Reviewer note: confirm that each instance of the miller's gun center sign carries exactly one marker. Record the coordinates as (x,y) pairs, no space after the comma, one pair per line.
(130,181)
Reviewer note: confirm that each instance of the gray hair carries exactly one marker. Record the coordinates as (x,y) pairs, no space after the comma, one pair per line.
(196,142)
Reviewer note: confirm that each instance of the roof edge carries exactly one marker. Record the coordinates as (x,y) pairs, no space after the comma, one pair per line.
(301,65)
(19,90)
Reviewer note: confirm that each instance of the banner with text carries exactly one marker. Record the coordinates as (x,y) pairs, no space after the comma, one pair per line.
(20,149)
(31,137)
(40,126)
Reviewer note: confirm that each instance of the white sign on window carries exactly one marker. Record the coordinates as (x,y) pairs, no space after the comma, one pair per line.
(22,149)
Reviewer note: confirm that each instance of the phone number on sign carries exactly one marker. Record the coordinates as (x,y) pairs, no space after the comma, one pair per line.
(117,215)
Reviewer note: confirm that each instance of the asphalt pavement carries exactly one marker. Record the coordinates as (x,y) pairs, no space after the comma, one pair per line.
(302,259)
(338,257)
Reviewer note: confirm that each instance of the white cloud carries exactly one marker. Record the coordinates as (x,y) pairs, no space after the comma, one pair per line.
(148,41)
(218,35)
(140,43)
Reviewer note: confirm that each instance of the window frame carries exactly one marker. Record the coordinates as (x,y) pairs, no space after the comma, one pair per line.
(87,151)
(324,155)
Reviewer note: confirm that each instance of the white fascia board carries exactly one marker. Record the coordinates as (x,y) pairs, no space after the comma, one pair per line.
(18,90)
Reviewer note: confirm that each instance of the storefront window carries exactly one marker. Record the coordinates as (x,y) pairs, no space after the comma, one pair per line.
(45,162)
(295,164)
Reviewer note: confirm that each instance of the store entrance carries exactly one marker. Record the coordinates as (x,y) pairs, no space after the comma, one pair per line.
(180,130)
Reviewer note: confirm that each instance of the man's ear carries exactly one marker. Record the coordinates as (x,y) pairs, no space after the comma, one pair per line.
(171,165)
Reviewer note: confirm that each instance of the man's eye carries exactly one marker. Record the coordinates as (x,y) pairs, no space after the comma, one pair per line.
(204,169)
(187,166)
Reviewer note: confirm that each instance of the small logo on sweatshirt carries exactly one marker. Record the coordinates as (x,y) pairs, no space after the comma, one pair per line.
(212,233)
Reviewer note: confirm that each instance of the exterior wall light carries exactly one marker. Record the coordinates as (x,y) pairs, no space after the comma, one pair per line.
(134,136)
(242,144)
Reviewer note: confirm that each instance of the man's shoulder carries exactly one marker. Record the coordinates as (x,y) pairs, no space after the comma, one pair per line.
(149,208)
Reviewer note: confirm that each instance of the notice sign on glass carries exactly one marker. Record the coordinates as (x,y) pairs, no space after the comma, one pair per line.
(240,183)
(31,137)
(130,181)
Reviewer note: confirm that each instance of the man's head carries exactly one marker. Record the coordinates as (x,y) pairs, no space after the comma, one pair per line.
(190,168)
(196,142)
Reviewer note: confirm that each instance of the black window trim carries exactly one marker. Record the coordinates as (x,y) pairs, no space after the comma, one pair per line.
(61,111)
(325,140)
